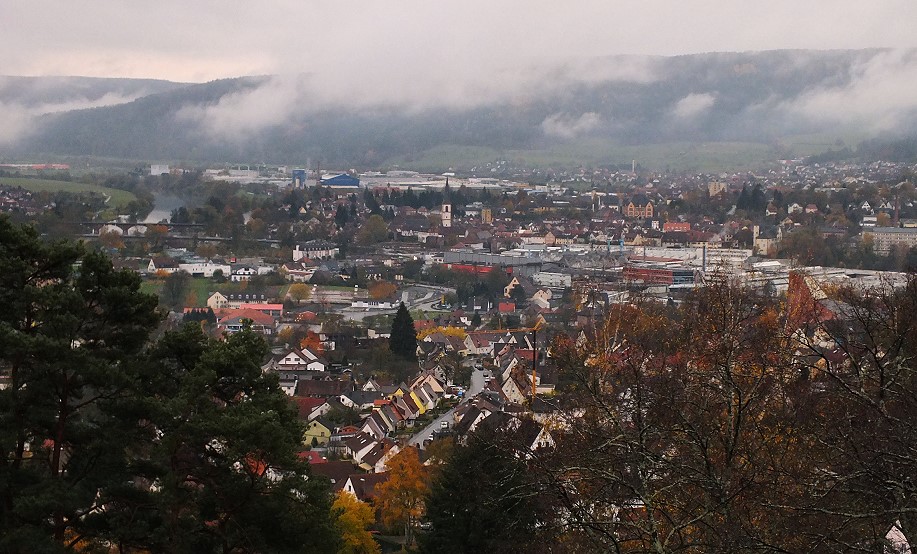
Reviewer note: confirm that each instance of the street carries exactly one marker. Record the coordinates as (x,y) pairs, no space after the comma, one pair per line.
(477,385)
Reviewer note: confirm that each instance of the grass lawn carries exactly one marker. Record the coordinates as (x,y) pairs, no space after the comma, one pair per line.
(116,198)
(201,287)
(198,290)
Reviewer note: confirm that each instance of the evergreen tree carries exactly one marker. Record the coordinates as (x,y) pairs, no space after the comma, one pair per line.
(744,199)
(403,340)
(219,471)
(500,513)
(476,319)
(69,327)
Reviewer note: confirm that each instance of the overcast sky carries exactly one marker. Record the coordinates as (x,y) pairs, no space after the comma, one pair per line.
(201,40)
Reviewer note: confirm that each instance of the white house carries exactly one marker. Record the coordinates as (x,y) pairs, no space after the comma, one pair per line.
(553,280)
(302,358)
(315,250)
(204,269)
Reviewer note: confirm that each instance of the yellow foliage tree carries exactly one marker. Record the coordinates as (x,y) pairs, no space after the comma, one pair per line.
(351,518)
(401,499)
(448,331)
(300,292)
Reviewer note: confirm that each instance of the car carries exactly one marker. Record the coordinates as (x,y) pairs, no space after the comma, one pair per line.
(444,425)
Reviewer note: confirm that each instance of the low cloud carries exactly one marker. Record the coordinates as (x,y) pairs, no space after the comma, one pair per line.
(268,104)
(565,126)
(879,95)
(280,99)
(693,105)
(20,116)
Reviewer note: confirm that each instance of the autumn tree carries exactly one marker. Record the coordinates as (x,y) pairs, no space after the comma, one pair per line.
(400,499)
(862,399)
(352,517)
(111,239)
(313,342)
(689,433)
(300,292)
(379,290)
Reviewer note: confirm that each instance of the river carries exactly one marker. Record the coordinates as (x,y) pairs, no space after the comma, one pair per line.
(163,204)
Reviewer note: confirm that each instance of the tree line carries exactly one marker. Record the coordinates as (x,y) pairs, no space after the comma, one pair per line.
(731,423)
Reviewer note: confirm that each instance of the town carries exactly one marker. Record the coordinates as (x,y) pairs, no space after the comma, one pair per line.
(406,313)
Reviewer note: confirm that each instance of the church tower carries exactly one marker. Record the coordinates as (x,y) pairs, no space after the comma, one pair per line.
(446,214)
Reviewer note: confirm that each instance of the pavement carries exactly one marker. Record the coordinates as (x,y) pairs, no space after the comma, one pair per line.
(477,385)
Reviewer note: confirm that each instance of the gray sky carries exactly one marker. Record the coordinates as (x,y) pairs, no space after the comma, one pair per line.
(432,42)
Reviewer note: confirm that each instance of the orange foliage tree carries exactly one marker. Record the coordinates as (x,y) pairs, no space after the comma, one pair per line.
(379,290)
(400,499)
(312,342)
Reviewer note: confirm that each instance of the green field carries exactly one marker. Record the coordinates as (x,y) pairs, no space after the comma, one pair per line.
(116,198)
(201,287)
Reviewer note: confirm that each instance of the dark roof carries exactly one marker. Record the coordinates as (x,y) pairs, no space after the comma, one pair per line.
(337,472)
(364,484)
(322,389)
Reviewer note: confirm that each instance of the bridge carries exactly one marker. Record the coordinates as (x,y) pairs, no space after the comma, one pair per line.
(95,226)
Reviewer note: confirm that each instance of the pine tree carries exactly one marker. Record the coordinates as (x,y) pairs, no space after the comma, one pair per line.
(403,340)
(69,328)
(222,453)
(498,514)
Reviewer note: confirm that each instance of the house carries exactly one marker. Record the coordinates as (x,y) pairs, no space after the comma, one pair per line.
(298,272)
(376,459)
(204,269)
(233,321)
(275,310)
(317,432)
(639,207)
(516,390)
(242,273)
(363,486)
(335,471)
(303,358)
(315,250)
(162,264)
(360,399)
(358,445)
(217,301)
(530,436)
(542,298)
(310,407)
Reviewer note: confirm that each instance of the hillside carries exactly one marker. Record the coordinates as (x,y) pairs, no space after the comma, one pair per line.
(752,103)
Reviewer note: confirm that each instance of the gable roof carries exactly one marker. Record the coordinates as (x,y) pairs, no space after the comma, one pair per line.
(337,472)
(307,404)
(364,484)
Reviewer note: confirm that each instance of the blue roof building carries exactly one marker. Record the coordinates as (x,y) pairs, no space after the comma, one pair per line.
(342,180)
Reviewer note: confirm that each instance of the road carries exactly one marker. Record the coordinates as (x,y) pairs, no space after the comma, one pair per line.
(420,297)
(477,385)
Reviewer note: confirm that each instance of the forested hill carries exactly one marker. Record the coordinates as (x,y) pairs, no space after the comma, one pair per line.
(759,97)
